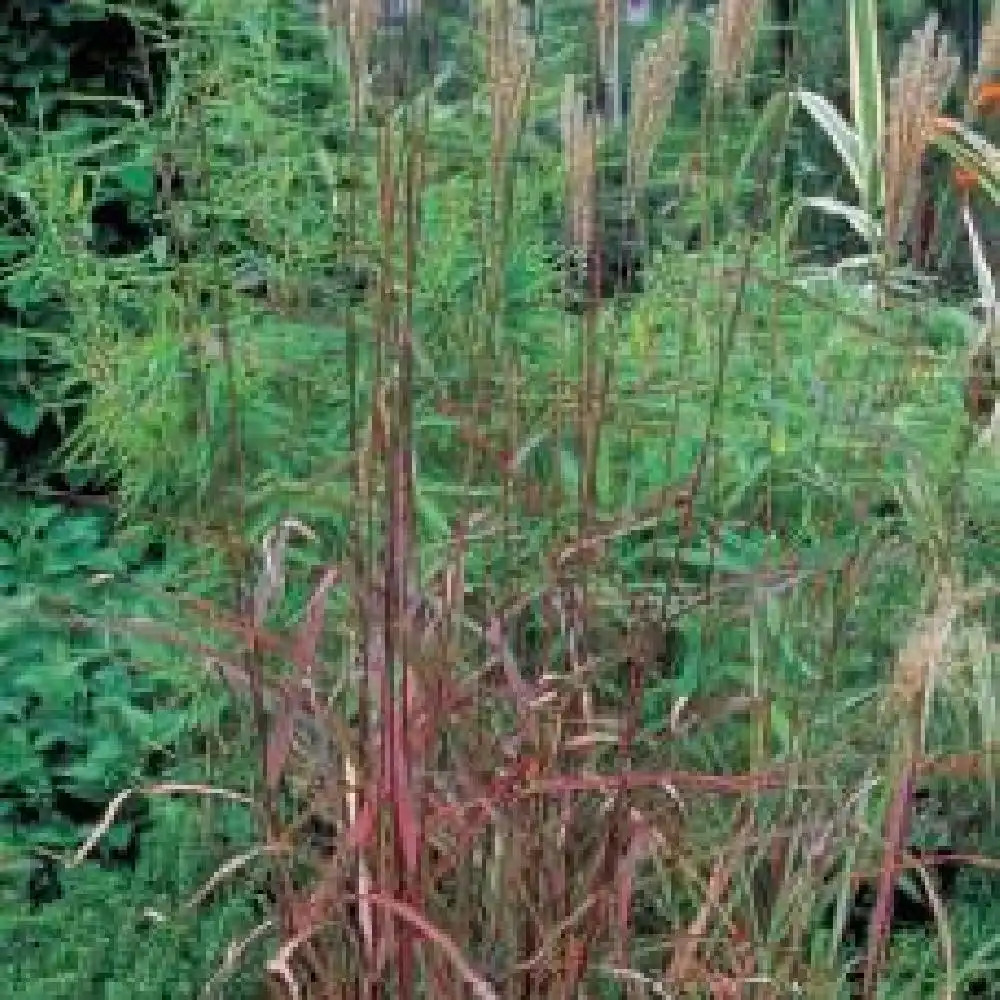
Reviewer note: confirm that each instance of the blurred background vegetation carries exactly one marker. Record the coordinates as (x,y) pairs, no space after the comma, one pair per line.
(610,436)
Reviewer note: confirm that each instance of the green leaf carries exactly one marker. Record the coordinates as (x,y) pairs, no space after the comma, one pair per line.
(984,274)
(839,132)
(38,519)
(22,413)
(690,670)
(569,470)
(751,474)
(774,113)
(866,95)
(969,150)
(84,530)
(859,220)
(781,727)
(139,181)
(24,292)
(432,516)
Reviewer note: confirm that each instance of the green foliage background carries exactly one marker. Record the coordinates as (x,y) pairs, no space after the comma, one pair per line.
(115,369)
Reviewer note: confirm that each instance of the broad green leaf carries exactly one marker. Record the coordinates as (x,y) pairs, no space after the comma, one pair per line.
(971,151)
(860,221)
(526,449)
(866,98)
(838,131)
(973,139)
(984,276)
(990,185)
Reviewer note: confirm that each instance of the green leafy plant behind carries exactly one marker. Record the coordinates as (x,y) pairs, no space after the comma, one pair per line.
(554,640)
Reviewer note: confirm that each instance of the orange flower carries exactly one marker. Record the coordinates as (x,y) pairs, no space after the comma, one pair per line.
(965,180)
(988,96)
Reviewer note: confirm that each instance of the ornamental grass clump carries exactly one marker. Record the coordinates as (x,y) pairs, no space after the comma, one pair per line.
(656,74)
